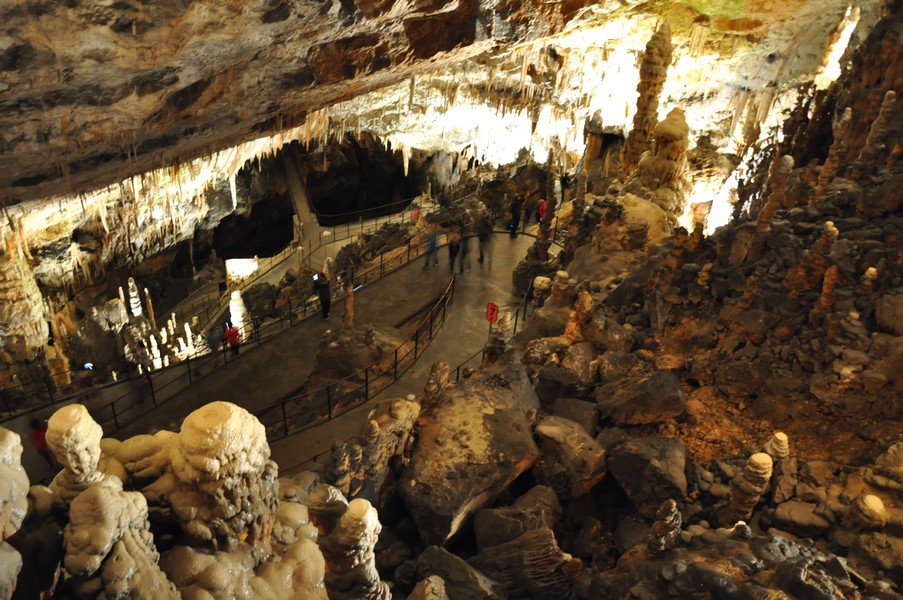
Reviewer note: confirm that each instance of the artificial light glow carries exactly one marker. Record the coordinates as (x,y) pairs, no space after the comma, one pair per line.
(239,269)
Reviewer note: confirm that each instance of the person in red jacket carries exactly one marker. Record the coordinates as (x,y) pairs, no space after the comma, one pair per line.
(232,337)
(541,210)
(37,434)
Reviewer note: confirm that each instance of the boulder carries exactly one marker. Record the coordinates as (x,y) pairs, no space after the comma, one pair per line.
(475,442)
(579,411)
(738,378)
(889,313)
(800,518)
(462,582)
(537,508)
(642,400)
(650,470)
(572,462)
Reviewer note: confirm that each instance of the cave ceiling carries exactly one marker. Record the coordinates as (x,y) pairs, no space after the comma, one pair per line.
(94,91)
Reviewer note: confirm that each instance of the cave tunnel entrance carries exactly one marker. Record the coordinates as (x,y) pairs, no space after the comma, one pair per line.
(359,178)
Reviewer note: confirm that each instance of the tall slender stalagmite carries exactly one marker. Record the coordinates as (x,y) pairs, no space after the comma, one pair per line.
(653,72)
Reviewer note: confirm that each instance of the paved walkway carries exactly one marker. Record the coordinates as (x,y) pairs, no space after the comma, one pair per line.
(263,374)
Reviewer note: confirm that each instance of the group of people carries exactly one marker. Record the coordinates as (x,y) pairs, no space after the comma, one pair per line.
(532,207)
(459,246)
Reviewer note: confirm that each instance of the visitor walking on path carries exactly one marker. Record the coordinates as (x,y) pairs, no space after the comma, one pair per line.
(541,210)
(454,245)
(463,260)
(484,236)
(432,247)
(232,337)
(529,209)
(38,436)
(321,285)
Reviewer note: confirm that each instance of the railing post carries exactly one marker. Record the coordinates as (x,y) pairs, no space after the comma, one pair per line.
(115,419)
(432,313)
(284,418)
(367,384)
(416,341)
(290,315)
(150,382)
(188,366)
(395,374)
(514,329)
(329,402)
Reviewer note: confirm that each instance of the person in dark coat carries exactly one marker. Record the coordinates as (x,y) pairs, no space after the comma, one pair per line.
(321,285)
(463,261)
(516,206)
(454,245)
(484,235)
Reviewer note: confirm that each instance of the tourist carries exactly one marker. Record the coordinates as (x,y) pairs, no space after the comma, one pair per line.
(432,247)
(232,337)
(454,245)
(463,261)
(541,209)
(37,434)
(529,208)
(516,206)
(321,286)
(484,235)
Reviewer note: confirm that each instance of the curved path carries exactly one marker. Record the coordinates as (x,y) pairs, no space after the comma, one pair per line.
(263,374)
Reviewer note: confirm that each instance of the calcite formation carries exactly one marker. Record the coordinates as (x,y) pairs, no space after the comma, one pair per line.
(13,506)
(110,551)
(746,489)
(74,438)
(653,73)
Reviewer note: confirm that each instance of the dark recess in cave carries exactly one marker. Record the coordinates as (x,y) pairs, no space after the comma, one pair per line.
(358,178)
(263,230)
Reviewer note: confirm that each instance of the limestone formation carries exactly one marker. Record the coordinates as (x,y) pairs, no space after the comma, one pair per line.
(347,547)
(776,198)
(874,154)
(74,438)
(216,476)
(867,512)
(13,506)
(666,528)
(436,385)
(109,547)
(747,488)
(653,73)
(381,446)
(837,153)
(538,508)
(499,340)
(239,316)
(531,566)
(778,447)
(542,289)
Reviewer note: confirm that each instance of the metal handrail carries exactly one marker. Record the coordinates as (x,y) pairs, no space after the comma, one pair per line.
(335,399)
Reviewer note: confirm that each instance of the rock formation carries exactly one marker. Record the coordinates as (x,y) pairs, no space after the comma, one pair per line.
(13,505)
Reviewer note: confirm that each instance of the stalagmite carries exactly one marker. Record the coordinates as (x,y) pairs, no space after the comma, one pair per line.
(776,198)
(109,546)
(875,152)
(837,153)
(134,298)
(348,549)
(13,507)
(747,488)
(826,299)
(435,386)
(653,72)
(778,447)
(867,512)
(665,529)
(499,339)
(238,315)
(74,438)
